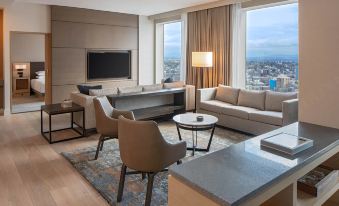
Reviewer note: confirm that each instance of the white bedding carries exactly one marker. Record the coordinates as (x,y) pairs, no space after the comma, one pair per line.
(38,85)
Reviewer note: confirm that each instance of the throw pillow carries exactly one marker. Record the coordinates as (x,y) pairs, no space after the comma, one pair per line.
(274,100)
(177,84)
(254,99)
(103,92)
(154,87)
(84,89)
(227,94)
(123,90)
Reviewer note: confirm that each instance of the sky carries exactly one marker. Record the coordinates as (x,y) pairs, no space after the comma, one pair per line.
(272,32)
(172,40)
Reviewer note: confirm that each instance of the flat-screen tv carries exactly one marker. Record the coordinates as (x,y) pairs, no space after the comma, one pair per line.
(108,65)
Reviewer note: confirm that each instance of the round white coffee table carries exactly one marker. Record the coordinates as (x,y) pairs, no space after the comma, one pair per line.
(188,121)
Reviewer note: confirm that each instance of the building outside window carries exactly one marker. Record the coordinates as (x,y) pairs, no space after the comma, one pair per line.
(272,48)
(172,65)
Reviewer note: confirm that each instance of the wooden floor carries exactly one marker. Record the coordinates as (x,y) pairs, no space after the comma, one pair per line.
(32,172)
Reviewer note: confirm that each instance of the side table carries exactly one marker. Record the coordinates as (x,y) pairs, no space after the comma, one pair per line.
(56,109)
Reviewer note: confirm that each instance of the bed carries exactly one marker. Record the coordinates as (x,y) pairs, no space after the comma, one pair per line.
(37,81)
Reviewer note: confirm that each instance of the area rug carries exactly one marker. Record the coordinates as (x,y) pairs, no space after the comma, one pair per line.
(104,173)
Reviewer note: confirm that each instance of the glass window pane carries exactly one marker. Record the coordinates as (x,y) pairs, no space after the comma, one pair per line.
(272,48)
(172,51)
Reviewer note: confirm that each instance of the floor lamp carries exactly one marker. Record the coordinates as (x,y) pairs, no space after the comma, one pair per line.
(201,60)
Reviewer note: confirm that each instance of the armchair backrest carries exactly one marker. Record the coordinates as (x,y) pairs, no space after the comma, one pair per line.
(141,144)
(103,109)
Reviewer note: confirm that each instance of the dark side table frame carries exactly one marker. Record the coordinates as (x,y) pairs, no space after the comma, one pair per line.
(195,130)
(56,109)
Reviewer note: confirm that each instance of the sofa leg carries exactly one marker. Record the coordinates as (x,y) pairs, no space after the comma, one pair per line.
(98,147)
(122,182)
(149,189)
(143,175)
(179,162)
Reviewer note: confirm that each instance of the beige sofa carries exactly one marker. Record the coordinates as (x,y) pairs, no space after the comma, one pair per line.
(254,112)
(87,100)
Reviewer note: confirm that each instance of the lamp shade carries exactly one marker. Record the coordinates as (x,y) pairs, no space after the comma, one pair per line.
(202,59)
(20,66)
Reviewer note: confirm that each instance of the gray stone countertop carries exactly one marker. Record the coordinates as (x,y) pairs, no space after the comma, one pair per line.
(235,174)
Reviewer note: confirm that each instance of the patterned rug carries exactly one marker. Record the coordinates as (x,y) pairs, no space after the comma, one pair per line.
(104,173)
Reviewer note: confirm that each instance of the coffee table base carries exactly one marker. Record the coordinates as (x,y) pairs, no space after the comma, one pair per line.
(195,137)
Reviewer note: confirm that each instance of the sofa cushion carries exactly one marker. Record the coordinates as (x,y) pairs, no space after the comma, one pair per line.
(238,111)
(154,87)
(227,108)
(84,89)
(227,94)
(268,117)
(274,100)
(103,92)
(134,89)
(214,106)
(177,84)
(254,99)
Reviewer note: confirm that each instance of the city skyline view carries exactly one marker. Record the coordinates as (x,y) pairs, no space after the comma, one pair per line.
(272,48)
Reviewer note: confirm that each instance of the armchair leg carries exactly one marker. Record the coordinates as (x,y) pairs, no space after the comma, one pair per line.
(149,189)
(143,175)
(98,147)
(102,145)
(179,162)
(122,182)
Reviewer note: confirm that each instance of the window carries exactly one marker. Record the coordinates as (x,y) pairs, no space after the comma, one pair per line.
(272,48)
(172,51)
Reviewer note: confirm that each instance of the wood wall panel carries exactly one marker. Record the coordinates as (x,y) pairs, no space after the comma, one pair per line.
(60,13)
(1,62)
(80,35)
(71,62)
(74,31)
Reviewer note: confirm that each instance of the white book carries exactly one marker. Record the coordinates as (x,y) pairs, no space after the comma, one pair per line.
(287,143)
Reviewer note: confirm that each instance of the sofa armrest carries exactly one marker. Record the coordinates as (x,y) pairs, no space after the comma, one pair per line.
(205,95)
(290,111)
(190,97)
(85,101)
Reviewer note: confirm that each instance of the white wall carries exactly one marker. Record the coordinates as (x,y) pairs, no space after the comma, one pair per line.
(25,18)
(318,62)
(27,47)
(146,51)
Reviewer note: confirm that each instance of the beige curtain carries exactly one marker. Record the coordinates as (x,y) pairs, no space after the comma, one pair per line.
(209,30)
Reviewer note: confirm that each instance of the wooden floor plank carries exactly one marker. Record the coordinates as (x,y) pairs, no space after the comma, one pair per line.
(33,172)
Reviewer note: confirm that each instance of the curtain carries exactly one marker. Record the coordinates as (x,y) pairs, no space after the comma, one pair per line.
(238,46)
(209,30)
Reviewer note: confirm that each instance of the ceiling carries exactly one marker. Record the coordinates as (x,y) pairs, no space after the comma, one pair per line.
(140,7)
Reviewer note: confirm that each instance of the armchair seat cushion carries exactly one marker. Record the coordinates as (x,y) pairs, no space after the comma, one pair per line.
(268,117)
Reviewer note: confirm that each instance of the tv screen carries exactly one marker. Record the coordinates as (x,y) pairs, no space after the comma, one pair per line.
(108,64)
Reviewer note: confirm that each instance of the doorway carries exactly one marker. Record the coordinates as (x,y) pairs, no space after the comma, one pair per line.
(28,71)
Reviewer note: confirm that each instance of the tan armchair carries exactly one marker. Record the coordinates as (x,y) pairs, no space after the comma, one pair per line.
(107,120)
(143,149)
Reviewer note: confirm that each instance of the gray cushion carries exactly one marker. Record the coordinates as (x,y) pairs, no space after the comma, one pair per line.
(227,108)
(254,99)
(238,111)
(268,117)
(274,100)
(177,84)
(227,94)
(154,87)
(214,106)
(103,92)
(134,89)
